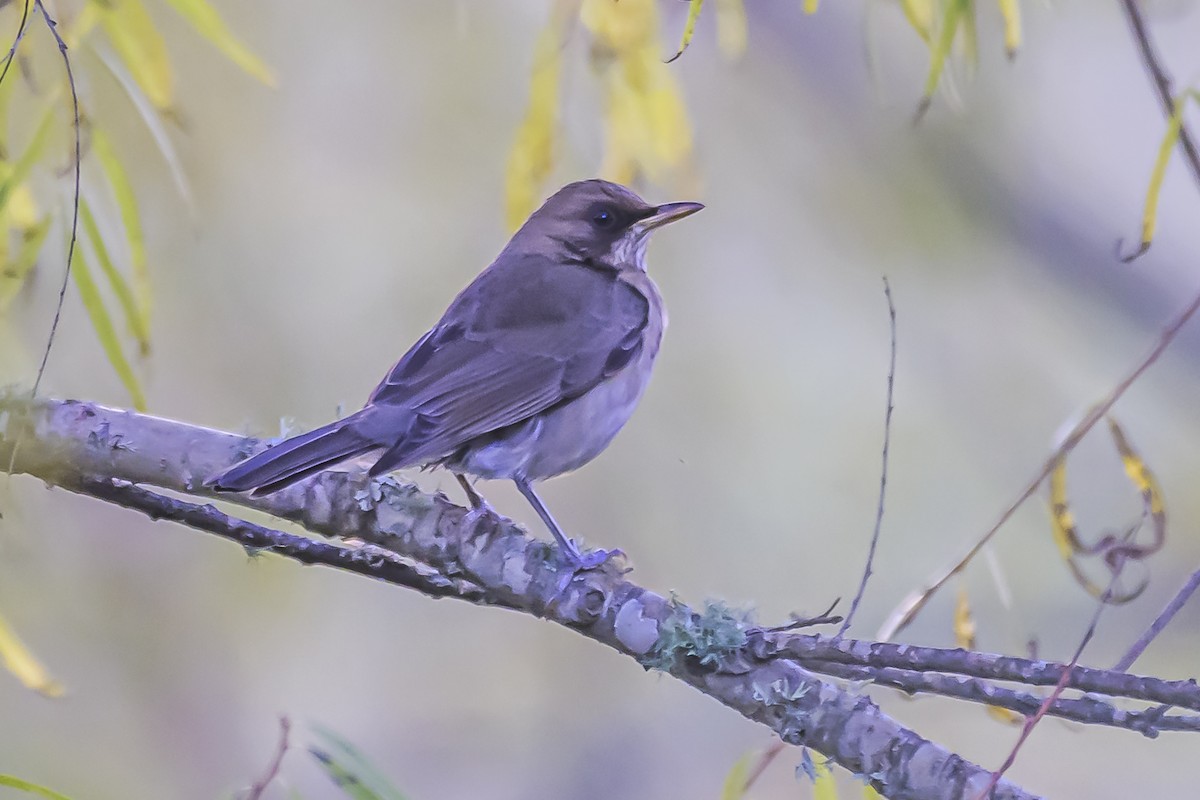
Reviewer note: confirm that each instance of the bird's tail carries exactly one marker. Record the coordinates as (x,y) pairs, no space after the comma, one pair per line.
(294,459)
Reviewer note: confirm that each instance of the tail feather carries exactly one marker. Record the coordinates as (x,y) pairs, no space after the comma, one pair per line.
(294,459)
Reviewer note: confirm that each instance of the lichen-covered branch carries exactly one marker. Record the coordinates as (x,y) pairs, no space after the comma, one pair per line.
(443,551)
(813,651)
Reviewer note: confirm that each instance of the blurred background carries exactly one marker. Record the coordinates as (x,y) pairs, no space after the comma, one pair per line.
(336,215)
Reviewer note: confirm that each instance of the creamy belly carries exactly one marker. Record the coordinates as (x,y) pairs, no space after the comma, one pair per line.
(569,436)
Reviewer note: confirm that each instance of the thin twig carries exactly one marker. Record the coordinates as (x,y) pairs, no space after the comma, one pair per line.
(62,292)
(887,438)
(372,561)
(764,761)
(1089,709)
(12,51)
(1162,83)
(826,617)
(907,610)
(816,652)
(1053,697)
(256,790)
(1161,621)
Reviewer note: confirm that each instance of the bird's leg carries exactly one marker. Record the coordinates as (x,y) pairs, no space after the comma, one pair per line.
(480,508)
(473,497)
(574,557)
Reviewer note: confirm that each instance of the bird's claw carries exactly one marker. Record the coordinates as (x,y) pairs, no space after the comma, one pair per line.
(591,558)
(581,561)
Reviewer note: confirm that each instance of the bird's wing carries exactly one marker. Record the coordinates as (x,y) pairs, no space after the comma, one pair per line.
(526,335)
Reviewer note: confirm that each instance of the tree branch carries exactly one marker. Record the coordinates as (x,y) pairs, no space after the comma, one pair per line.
(369,560)
(1162,83)
(811,651)
(84,447)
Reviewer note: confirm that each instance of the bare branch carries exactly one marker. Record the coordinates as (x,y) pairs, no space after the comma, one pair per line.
(80,444)
(1089,710)
(62,292)
(369,560)
(1161,621)
(908,609)
(813,651)
(255,792)
(887,439)
(1162,83)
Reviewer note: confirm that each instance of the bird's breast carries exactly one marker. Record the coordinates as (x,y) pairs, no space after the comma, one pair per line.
(571,434)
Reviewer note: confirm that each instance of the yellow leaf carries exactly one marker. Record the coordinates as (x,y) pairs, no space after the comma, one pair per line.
(964,623)
(1061,519)
(102,322)
(1010,10)
(1005,715)
(138,324)
(1165,148)
(154,123)
(824,785)
(941,49)
(621,25)
(24,665)
(919,14)
(731,28)
(140,45)
(24,165)
(1138,472)
(869,793)
(13,274)
(810,6)
(646,127)
(122,190)
(964,637)
(22,208)
(735,780)
(532,156)
(208,23)
(970,38)
(77,29)
(32,788)
(689,27)
(1071,546)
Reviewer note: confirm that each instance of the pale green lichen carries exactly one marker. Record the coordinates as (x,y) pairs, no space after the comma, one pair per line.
(707,637)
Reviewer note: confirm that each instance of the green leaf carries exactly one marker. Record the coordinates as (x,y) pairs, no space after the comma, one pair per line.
(13,274)
(140,45)
(102,322)
(21,662)
(734,787)
(1012,26)
(941,48)
(208,23)
(138,324)
(689,27)
(350,770)
(1165,148)
(23,165)
(127,203)
(32,788)
(824,785)
(153,123)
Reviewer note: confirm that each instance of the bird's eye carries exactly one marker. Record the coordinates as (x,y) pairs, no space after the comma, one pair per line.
(603,218)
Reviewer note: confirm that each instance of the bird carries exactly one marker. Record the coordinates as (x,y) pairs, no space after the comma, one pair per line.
(530,373)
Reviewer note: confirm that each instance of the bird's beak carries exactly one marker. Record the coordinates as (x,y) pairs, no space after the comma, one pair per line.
(668,212)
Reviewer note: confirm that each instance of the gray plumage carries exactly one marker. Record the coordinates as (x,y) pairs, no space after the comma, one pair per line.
(531,371)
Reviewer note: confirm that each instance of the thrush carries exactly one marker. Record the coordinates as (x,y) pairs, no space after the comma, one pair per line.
(531,371)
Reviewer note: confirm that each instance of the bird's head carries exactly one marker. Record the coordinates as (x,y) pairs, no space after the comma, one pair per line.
(598,221)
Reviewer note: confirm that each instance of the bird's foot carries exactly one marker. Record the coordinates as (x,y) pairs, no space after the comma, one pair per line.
(478,513)
(589,559)
(579,561)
